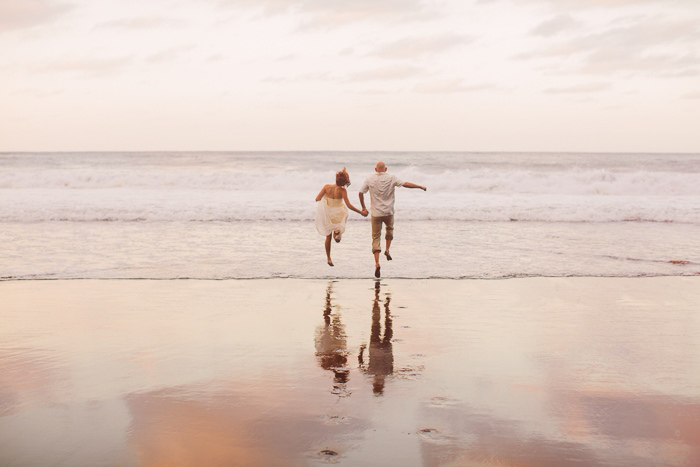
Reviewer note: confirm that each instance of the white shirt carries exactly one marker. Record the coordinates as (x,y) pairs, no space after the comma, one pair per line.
(381,191)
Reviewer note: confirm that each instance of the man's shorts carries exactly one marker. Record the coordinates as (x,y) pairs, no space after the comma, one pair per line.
(377,231)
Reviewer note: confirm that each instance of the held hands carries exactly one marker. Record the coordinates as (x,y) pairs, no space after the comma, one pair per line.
(364,213)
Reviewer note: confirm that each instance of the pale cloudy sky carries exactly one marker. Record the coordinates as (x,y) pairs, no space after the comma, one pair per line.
(465,75)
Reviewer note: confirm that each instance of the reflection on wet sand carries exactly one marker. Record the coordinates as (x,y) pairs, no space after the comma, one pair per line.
(623,430)
(26,375)
(153,380)
(380,357)
(331,345)
(237,426)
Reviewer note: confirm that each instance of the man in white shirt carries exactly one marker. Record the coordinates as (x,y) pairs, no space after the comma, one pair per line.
(381,191)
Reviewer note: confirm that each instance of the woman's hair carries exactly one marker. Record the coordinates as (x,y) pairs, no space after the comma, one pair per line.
(342,178)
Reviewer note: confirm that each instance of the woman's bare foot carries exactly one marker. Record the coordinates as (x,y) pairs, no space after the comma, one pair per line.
(337,236)
(330,263)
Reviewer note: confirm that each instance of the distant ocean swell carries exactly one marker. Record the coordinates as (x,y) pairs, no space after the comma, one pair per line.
(222,194)
(598,182)
(37,205)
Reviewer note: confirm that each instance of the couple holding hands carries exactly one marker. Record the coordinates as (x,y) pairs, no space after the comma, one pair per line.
(332,213)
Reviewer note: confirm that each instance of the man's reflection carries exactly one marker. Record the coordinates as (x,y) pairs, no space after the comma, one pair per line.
(380,356)
(331,345)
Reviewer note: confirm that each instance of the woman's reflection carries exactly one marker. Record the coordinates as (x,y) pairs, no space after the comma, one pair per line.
(380,356)
(331,345)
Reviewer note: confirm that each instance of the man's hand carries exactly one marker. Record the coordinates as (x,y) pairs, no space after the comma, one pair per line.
(364,213)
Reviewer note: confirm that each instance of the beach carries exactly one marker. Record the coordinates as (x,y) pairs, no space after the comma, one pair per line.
(176,309)
(529,371)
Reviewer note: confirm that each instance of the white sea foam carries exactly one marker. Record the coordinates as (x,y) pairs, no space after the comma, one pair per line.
(34,205)
(202,187)
(598,182)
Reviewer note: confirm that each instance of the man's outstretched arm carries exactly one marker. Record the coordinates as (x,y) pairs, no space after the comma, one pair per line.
(410,185)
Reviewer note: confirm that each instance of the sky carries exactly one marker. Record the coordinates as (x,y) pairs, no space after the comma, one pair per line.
(353,75)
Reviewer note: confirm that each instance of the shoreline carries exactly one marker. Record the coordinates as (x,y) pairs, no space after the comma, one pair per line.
(255,250)
(340,278)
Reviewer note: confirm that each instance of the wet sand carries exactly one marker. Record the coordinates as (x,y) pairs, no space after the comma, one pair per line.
(534,372)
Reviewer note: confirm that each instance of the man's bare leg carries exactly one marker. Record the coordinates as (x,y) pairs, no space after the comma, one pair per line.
(328,249)
(388,244)
(389,235)
(377,274)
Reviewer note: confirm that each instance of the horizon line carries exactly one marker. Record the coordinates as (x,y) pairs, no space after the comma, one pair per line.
(394,151)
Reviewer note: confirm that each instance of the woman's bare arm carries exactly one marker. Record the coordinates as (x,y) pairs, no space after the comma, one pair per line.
(323,192)
(347,202)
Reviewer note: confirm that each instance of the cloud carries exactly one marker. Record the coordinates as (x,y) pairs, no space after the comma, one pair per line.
(685,73)
(142,22)
(651,45)
(385,73)
(629,39)
(170,54)
(586,88)
(21,14)
(556,25)
(568,5)
(328,13)
(216,58)
(451,86)
(92,67)
(374,92)
(415,46)
(38,92)
(286,58)
(316,76)
(662,65)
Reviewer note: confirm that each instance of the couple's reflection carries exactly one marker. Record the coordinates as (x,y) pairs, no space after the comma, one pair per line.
(376,361)
(331,345)
(380,357)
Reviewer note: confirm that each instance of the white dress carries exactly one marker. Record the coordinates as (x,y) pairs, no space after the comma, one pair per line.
(331,215)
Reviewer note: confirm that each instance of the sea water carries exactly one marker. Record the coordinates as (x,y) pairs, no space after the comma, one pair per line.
(231,215)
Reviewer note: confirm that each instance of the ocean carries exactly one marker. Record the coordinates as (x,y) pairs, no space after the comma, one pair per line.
(243,215)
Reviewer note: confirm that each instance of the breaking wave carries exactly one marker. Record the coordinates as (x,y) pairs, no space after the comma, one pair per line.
(598,182)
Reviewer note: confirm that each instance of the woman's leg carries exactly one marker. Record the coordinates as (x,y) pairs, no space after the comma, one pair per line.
(328,249)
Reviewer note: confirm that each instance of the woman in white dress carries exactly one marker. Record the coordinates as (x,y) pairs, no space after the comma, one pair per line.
(331,213)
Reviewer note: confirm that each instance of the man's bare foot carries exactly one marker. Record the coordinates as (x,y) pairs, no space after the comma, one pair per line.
(330,263)
(388,256)
(377,272)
